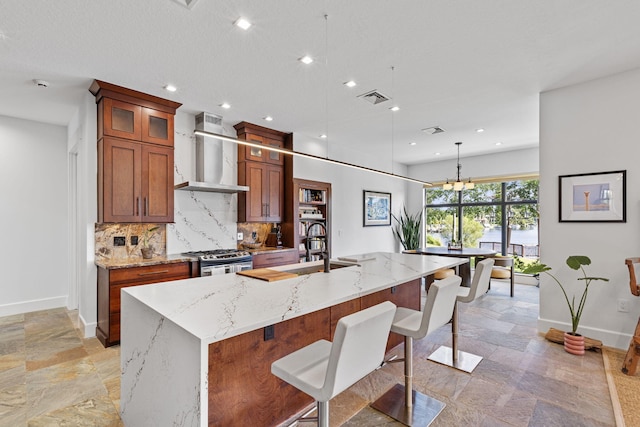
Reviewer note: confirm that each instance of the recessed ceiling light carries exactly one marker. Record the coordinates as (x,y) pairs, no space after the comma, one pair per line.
(498,143)
(437,154)
(350,83)
(306,60)
(242,23)
(394,108)
(170,88)
(225,105)
(323,136)
(412,143)
(479,130)
(268,118)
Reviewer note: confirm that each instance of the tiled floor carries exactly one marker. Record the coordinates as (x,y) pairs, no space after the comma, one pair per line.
(50,376)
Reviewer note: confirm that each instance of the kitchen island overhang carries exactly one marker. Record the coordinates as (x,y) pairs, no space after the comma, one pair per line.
(167,327)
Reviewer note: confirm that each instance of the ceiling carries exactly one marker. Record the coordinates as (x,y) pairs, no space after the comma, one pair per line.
(460,65)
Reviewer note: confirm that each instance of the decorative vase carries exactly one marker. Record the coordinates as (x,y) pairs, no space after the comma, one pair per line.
(147,253)
(574,344)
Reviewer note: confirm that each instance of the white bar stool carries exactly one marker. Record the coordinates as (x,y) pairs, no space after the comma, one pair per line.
(403,403)
(453,357)
(324,369)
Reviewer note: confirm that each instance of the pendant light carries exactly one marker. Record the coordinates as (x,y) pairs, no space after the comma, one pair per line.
(459,185)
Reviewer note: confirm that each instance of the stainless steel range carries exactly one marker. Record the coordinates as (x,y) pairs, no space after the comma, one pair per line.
(222,261)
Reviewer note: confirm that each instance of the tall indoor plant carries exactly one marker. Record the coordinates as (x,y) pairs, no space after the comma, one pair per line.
(572,340)
(407,229)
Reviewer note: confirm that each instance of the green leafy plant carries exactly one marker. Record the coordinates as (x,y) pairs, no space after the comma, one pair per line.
(407,229)
(575,262)
(147,236)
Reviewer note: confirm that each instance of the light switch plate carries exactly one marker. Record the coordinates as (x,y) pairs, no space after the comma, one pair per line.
(240,236)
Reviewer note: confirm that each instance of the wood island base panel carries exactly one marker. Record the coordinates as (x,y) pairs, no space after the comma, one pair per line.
(198,351)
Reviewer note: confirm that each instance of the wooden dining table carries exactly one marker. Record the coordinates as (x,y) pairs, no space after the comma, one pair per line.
(464,270)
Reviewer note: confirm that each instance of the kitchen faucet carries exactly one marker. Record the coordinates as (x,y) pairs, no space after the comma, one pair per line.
(325,240)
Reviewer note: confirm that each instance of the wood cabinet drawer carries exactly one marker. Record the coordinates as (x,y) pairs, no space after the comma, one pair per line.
(149,273)
(272,259)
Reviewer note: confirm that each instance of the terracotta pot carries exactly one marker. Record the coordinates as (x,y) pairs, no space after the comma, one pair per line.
(574,344)
(147,253)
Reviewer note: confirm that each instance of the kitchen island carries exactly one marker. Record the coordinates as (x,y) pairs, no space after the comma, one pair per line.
(195,351)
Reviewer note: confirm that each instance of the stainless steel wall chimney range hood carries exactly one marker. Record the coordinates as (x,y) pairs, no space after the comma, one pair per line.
(209,159)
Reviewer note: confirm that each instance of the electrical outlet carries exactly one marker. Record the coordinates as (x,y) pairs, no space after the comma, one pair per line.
(119,241)
(134,240)
(240,236)
(254,235)
(623,305)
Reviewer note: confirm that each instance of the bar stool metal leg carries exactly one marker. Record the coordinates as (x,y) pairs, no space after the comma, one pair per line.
(453,357)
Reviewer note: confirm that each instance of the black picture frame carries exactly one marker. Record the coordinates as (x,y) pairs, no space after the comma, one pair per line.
(593,197)
(376,208)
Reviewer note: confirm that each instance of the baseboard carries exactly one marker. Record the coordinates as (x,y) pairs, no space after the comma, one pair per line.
(34,305)
(609,338)
(88,328)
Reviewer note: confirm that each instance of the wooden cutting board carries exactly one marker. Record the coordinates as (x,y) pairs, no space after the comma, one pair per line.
(267,274)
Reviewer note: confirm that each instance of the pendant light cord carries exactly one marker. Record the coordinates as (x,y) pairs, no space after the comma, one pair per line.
(326,84)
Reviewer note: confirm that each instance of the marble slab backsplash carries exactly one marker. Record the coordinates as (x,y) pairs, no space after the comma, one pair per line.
(106,250)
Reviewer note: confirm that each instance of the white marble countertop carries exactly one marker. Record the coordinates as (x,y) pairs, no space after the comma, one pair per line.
(219,307)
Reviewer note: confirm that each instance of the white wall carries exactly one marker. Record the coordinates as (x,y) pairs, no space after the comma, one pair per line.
(506,163)
(590,127)
(33,254)
(348,235)
(81,141)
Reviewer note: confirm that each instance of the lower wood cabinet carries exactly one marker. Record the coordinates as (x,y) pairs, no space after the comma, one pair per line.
(241,386)
(111,281)
(274,258)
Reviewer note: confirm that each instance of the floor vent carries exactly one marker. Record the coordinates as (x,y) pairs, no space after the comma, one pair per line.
(374,97)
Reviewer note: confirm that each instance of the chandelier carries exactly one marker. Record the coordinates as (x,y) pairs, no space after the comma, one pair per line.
(459,185)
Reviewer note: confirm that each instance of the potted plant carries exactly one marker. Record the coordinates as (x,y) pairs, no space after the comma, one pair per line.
(147,249)
(408,229)
(573,342)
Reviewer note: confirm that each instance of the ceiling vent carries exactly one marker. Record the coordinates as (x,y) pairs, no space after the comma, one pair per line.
(187,3)
(374,97)
(433,130)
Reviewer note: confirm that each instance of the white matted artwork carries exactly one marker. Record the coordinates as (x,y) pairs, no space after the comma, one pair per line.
(593,197)
(377,208)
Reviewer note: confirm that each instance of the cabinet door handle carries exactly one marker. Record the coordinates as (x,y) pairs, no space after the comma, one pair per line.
(146,206)
(148,273)
(137,206)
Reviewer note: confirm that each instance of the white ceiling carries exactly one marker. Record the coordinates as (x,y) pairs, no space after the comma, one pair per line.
(461,65)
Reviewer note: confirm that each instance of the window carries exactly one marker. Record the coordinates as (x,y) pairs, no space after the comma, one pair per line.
(502,216)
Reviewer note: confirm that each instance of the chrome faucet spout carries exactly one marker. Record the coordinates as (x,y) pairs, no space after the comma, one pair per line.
(324,238)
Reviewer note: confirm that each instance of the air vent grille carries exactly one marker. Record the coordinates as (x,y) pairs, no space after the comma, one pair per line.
(433,130)
(374,97)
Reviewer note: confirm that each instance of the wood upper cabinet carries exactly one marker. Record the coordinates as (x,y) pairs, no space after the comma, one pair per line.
(263,202)
(261,135)
(135,182)
(135,155)
(263,171)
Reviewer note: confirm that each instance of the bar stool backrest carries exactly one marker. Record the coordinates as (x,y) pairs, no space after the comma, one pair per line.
(358,347)
(481,279)
(438,309)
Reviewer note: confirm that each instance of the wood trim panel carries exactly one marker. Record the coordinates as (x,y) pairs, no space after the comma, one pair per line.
(242,389)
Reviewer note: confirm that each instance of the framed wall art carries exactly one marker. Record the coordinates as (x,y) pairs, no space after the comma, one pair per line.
(377,208)
(593,197)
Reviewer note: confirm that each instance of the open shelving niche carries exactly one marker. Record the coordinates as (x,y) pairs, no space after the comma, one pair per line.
(310,203)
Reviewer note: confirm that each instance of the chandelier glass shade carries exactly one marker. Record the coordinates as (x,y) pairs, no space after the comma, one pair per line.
(458,185)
